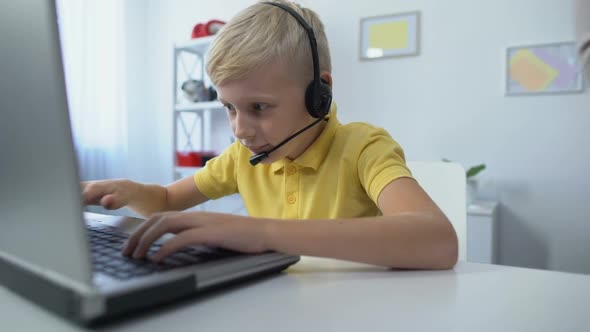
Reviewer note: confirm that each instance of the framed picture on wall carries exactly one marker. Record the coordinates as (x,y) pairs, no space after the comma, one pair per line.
(543,69)
(390,36)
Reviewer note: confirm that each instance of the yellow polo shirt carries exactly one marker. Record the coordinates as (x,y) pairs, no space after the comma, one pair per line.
(339,176)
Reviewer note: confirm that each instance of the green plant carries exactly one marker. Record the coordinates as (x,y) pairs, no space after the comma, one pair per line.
(472,171)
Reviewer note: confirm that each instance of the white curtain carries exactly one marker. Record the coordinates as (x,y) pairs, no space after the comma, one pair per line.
(93,46)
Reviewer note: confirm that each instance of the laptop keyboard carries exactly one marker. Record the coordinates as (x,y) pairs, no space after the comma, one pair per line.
(106,245)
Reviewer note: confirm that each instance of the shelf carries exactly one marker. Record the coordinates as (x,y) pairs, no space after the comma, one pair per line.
(199,132)
(197,45)
(186,171)
(197,107)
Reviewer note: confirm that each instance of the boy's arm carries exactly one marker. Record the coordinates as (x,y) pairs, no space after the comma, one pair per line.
(412,233)
(144,199)
(176,196)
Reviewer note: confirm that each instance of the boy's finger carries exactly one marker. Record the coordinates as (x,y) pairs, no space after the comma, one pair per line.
(194,236)
(93,201)
(133,240)
(111,202)
(169,224)
(93,192)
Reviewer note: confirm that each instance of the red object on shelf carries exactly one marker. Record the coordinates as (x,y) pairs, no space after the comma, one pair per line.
(206,29)
(188,158)
(193,158)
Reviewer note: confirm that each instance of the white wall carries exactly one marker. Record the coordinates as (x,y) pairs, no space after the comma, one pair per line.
(447,102)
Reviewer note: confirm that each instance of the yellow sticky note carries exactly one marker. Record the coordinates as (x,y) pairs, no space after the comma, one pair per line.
(391,35)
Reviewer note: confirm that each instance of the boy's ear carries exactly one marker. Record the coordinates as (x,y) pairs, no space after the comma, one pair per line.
(326,77)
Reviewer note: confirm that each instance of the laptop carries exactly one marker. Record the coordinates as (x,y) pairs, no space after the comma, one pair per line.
(49,253)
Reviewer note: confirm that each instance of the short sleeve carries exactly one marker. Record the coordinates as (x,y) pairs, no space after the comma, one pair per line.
(218,177)
(381,161)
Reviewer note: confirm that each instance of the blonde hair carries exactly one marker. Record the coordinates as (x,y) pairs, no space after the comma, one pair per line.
(262,34)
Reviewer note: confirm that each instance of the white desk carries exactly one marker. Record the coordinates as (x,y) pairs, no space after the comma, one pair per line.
(329,295)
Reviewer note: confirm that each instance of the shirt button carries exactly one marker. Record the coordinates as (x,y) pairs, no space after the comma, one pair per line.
(291,170)
(291,199)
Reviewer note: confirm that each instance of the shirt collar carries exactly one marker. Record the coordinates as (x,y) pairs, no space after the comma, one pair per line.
(317,151)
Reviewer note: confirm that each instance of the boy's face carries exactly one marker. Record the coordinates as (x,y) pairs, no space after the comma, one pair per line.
(265,107)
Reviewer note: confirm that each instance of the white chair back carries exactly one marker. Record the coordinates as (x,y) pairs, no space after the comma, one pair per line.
(445,183)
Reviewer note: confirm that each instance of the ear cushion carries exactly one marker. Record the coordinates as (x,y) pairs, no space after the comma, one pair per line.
(318,106)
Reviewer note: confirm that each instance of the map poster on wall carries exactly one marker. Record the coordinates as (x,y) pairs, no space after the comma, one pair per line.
(543,69)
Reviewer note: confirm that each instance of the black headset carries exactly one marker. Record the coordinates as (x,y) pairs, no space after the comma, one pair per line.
(318,95)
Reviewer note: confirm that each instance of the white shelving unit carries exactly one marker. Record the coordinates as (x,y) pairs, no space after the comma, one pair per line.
(198,45)
(207,122)
(198,115)
(198,107)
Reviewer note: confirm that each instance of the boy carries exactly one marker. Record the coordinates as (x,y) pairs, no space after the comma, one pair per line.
(329,190)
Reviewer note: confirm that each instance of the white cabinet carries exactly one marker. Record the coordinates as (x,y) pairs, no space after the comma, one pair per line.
(482,232)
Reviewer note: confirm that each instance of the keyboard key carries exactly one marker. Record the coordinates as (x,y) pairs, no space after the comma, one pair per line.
(106,245)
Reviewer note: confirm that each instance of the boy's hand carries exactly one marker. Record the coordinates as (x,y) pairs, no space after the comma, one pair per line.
(227,231)
(110,194)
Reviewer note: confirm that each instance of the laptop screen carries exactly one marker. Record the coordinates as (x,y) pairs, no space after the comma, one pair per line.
(41,221)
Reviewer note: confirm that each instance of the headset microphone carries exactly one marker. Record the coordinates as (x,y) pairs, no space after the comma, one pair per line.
(256,159)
